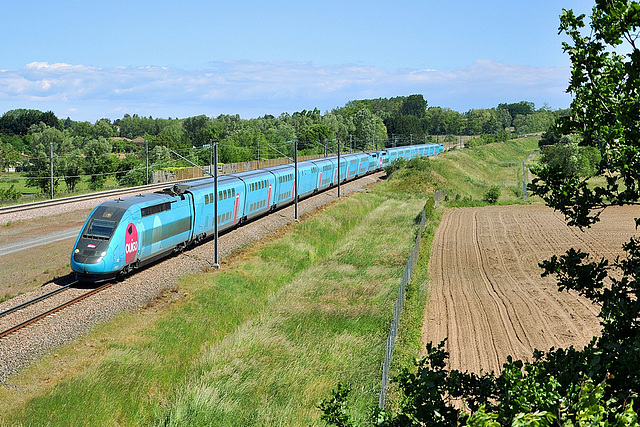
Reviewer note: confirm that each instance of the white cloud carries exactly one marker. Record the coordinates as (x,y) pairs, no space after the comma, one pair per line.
(256,88)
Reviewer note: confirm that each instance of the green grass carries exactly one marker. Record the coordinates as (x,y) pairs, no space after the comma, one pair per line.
(261,342)
(465,174)
(30,194)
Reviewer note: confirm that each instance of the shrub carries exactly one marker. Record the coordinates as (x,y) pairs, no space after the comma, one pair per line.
(492,194)
(394,166)
(10,193)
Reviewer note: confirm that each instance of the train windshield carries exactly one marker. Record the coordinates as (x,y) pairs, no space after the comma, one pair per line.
(100,229)
(103,222)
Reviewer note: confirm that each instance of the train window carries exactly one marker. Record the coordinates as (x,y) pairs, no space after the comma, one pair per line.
(150,210)
(100,228)
(206,199)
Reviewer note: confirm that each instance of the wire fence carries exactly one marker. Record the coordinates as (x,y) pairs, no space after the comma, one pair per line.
(397,312)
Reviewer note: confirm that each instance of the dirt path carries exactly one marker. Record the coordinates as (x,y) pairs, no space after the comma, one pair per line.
(486,293)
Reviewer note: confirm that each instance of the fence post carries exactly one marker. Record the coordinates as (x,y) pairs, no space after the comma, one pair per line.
(397,312)
(524,182)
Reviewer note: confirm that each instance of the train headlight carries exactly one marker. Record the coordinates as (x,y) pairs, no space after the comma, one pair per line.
(77,251)
(103,254)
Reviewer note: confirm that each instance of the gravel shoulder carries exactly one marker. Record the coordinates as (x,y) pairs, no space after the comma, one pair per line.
(139,290)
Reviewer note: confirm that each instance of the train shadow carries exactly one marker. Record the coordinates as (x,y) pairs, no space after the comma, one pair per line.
(71,281)
(62,280)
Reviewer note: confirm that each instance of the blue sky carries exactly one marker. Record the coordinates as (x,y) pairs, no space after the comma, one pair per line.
(88,59)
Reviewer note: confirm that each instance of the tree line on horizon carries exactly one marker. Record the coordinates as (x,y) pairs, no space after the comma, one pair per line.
(93,151)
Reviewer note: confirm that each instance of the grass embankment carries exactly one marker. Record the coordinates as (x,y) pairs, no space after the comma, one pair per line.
(465,174)
(262,341)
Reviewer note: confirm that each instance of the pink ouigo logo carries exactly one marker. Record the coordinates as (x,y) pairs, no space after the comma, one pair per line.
(130,243)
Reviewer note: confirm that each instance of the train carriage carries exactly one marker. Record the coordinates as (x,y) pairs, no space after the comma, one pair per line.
(260,189)
(284,179)
(308,174)
(363,164)
(348,167)
(352,166)
(231,196)
(326,168)
(384,159)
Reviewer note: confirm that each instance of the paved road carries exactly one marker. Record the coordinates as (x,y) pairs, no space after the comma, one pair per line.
(38,241)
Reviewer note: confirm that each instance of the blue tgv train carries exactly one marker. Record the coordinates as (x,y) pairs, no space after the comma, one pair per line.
(121,235)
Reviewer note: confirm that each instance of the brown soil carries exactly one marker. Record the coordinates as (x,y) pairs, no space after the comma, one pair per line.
(36,227)
(486,293)
(27,270)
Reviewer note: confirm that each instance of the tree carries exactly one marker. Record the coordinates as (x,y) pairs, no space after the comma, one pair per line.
(492,194)
(442,121)
(201,130)
(98,162)
(569,159)
(44,137)
(606,85)
(19,121)
(313,137)
(159,155)
(366,125)
(414,105)
(130,171)
(523,108)
(8,156)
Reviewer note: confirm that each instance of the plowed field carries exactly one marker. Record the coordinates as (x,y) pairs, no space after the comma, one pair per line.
(486,294)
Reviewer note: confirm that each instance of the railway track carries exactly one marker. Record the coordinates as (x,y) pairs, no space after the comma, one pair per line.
(83,197)
(47,311)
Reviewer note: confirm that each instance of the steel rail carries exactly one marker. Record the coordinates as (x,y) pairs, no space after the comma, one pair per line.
(37,299)
(78,198)
(53,310)
(89,196)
